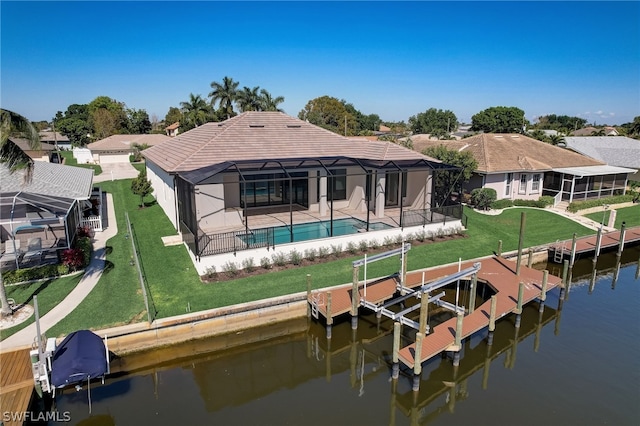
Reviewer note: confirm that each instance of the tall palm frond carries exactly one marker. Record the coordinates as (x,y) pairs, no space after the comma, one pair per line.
(225,93)
(249,99)
(270,103)
(13,124)
(195,110)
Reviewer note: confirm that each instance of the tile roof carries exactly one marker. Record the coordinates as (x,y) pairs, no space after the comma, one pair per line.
(23,144)
(173,126)
(513,152)
(613,150)
(125,142)
(266,136)
(50,179)
(52,137)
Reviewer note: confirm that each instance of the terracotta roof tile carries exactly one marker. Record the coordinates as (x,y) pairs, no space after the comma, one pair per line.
(265,136)
(124,142)
(513,152)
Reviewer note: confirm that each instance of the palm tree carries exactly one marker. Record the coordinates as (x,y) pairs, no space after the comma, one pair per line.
(556,139)
(12,123)
(269,103)
(195,110)
(225,93)
(249,99)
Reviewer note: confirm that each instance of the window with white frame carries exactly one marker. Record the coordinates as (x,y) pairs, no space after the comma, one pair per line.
(507,187)
(535,183)
(522,189)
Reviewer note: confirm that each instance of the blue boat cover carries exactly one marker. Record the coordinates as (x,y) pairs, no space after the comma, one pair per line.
(81,356)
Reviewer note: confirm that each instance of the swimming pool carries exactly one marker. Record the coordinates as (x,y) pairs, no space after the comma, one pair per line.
(315,230)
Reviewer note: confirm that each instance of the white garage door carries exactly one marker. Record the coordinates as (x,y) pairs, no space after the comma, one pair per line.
(121,158)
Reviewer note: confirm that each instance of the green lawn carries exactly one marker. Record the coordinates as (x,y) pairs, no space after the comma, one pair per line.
(629,215)
(70,161)
(174,284)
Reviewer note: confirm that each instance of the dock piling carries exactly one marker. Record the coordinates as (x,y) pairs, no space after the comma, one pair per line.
(574,245)
(499,248)
(598,243)
(308,295)
(545,280)
(396,350)
(621,243)
(329,317)
(530,258)
(458,339)
(492,319)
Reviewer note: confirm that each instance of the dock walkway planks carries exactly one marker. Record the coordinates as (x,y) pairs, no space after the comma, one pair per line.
(500,274)
(588,244)
(16,383)
(497,272)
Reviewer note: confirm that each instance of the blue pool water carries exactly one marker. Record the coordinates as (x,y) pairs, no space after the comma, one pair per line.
(315,230)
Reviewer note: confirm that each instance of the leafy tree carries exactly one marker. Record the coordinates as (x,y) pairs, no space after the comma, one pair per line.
(74,124)
(483,197)
(249,99)
(499,119)
(14,124)
(560,122)
(195,112)
(632,129)
(174,115)
(538,134)
(269,103)
(556,139)
(225,94)
(138,121)
(448,181)
(107,117)
(435,122)
(141,186)
(40,125)
(329,113)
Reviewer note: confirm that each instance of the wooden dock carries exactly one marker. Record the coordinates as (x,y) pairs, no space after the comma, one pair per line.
(16,384)
(496,272)
(587,245)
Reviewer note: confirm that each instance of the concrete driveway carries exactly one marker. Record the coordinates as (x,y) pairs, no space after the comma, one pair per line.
(114,171)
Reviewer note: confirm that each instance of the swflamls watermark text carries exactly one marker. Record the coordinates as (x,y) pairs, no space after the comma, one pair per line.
(31,416)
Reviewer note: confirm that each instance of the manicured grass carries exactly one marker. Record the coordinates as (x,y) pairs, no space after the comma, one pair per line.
(70,161)
(49,292)
(174,285)
(629,215)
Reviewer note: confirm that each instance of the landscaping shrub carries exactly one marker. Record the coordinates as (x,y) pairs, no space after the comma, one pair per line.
(311,254)
(582,205)
(482,198)
(37,273)
(336,249)
(279,259)
(73,258)
(211,273)
(374,244)
(248,265)
(265,263)
(352,248)
(363,246)
(388,241)
(230,268)
(295,257)
(323,252)
(501,204)
(547,200)
(84,245)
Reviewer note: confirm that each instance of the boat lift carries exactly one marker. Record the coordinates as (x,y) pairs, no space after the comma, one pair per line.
(407,292)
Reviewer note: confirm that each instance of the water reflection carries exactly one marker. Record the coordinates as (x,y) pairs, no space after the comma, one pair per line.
(290,373)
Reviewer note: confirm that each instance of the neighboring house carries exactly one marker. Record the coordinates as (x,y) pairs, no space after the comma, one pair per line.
(55,138)
(172,130)
(118,148)
(590,131)
(42,154)
(49,208)
(520,167)
(250,181)
(613,150)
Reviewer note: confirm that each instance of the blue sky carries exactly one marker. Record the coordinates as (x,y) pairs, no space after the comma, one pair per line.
(394,59)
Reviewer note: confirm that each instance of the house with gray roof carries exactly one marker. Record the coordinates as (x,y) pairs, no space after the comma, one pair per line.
(613,150)
(50,207)
(520,167)
(264,179)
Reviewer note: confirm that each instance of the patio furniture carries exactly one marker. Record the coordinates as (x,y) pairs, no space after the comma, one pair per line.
(12,253)
(34,251)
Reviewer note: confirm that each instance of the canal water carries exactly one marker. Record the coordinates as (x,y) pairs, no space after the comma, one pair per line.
(575,363)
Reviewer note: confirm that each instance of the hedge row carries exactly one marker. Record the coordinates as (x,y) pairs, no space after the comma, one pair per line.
(541,202)
(587,204)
